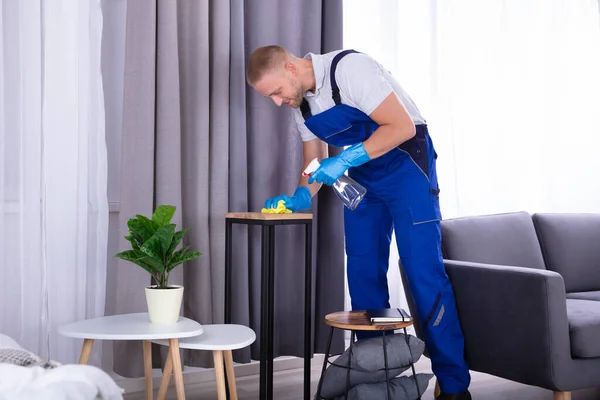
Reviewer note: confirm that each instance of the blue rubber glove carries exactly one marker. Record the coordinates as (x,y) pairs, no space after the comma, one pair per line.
(332,168)
(301,200)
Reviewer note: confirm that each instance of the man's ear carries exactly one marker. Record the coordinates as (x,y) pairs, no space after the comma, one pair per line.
(291,68)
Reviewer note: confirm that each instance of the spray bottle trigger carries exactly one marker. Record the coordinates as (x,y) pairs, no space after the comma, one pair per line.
(311,167)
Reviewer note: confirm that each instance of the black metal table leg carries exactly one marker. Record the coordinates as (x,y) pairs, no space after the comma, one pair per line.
(308,309)
(271,305)
(228,300)
(228,261)
(412,364)
(318,396)
(265,377)
(387,370)
(349,365)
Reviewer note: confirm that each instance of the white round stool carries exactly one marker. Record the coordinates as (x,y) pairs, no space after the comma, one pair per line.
(135,327)
(220,339)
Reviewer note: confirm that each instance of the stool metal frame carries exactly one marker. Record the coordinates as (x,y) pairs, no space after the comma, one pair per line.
(382,327)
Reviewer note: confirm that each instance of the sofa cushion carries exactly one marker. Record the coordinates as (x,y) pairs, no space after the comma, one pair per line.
(593,295)
(571,246)
(584,327)
(503,239)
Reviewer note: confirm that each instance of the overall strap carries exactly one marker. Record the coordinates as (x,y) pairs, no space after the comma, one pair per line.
(305,109)
(335,90)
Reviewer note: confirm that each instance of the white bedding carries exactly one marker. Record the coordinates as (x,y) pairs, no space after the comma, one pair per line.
(65,382)
(73,381)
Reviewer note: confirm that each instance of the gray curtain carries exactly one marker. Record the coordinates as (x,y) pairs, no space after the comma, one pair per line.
(194,135)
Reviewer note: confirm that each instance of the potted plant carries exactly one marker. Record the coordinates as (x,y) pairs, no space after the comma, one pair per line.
(153,247)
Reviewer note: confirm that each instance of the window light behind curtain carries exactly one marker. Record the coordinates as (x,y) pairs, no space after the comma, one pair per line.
(511,93)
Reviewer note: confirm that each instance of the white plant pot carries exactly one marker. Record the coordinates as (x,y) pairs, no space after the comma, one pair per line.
(164,305)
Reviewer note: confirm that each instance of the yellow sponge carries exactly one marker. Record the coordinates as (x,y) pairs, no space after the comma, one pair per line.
(281,209)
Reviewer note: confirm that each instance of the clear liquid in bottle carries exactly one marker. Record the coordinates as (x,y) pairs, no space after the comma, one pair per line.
(347,189)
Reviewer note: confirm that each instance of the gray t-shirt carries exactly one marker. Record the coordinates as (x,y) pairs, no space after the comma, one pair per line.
(363,84)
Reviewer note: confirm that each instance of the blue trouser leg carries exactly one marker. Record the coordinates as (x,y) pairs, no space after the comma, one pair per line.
(414,206)
(402,187)
(368,231)
(420,253)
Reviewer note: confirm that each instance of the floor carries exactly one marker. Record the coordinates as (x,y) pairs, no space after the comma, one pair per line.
(288,386)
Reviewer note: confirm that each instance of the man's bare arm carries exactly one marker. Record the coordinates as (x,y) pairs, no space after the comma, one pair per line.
(312,149)
(395,127)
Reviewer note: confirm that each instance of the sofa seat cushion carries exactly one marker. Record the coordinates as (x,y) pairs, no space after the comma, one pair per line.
(584,327)
(592,295)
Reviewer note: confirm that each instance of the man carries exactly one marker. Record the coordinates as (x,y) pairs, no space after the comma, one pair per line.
(345,98)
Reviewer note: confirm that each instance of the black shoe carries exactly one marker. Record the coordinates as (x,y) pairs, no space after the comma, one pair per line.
(455,396)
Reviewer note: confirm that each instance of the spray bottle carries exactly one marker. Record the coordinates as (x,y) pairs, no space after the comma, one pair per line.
(347,189)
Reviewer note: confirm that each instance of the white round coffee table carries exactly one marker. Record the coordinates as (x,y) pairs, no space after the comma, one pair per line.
(220,339)
(136,327)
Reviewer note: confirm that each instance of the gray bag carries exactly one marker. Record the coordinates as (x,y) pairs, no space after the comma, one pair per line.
(368,364)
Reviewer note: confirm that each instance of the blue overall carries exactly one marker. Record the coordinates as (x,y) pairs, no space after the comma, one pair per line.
(402,194)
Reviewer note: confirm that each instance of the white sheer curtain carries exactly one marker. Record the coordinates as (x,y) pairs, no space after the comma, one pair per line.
(510,90)
(53,205)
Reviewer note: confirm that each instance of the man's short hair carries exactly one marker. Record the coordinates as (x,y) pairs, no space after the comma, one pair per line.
(265,59)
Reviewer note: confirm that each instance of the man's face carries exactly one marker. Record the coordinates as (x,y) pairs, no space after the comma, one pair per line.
(282,86)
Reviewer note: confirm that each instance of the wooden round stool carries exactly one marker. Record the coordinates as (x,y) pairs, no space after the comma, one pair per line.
(354,321)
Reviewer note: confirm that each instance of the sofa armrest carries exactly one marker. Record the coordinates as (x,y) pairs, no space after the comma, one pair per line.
(514,320)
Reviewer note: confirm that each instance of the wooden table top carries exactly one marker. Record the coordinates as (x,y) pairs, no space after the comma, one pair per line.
(359,321)
(268,217)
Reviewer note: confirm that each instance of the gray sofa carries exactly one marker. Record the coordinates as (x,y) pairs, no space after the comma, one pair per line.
(527,289)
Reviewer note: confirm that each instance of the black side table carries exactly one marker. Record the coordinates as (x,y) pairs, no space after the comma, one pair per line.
(268,223)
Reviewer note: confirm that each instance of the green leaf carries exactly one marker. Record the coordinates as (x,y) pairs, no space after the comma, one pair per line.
(150,264)
(127,255)
(151,249)
(150,225)
(156,264)
(177,237)
(153,242)
(133,256)
(135,241)
(158,245)
(175,256)
(181,256)
(163,214)
(141,228)
(166,235)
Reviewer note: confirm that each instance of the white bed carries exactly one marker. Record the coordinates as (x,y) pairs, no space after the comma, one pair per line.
(41,380)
